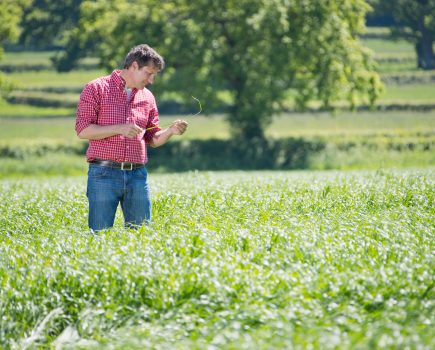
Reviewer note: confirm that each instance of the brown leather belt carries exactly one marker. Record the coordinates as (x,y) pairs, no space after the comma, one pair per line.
(115,165)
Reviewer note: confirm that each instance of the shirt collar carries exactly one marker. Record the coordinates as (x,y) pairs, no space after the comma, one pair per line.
(117,79)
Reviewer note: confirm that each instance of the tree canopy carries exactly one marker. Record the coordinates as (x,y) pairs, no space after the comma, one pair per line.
(45,22)
(10,17)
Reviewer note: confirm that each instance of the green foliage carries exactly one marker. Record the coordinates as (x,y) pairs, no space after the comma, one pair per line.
(5,86)
(10,16)
(250,154)
(237,260)
(45,22)
(255,49)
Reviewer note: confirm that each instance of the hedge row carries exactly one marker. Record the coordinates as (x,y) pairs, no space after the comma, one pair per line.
(289,153)
(408,79)
(172,107)
(40,101)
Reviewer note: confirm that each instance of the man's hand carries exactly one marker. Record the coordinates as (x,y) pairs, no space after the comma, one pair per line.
(178,127)
(161,137)
(130,130)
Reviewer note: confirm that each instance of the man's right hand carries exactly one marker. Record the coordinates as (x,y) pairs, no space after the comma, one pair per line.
(130,130)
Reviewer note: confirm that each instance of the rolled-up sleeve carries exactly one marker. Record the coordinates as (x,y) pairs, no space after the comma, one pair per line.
(88,108)
(153,123)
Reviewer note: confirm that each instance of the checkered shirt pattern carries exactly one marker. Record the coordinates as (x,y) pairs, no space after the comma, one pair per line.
(104,101)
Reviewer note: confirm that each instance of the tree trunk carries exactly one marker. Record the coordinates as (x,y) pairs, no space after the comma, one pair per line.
(245,124)
(424,47)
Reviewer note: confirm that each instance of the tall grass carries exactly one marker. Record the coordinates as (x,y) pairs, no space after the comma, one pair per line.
(231,261)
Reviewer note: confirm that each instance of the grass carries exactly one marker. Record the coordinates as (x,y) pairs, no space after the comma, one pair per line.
(285,125)
(231,261)
(365,140)
(409,93)
(48,78)
(26,57)
(389,47)
(352,124)
(23,111)
(26,60)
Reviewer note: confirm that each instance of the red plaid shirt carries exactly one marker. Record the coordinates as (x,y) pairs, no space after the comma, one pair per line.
(104,101)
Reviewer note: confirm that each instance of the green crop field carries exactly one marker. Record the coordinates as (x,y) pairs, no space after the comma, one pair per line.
(231,261)
(321,259)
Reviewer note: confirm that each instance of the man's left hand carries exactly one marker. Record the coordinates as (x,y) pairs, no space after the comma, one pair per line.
(178,127)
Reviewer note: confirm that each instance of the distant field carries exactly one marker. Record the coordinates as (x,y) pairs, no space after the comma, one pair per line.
(22,111)
(286,125)
(26,57)
(383,46)
(47,79)
(408,93)
(37,60)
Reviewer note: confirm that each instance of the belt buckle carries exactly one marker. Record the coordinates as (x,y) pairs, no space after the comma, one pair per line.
(122,166)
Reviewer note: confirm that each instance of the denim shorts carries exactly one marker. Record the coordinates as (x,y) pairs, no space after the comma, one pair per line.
(107,187)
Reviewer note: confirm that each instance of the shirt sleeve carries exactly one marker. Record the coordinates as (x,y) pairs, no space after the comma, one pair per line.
(153,122)
(88,108)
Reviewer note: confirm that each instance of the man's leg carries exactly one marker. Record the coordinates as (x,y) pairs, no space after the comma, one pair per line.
(104,192)
(136,204)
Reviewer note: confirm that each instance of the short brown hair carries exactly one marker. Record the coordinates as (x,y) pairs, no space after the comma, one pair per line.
(144,55)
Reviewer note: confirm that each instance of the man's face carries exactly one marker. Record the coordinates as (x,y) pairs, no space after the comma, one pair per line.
(143,76)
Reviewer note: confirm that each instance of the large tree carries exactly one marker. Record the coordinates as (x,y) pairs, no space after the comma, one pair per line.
(254,49)
(414,21)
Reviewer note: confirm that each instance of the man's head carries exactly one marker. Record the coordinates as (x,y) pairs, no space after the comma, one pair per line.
(144,56)
(141,66)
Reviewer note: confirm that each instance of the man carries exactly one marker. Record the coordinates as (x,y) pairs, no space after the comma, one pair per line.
(118,115)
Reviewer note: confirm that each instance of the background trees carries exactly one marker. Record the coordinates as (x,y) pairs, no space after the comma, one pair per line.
(10,17)
(255,52)
(415,22)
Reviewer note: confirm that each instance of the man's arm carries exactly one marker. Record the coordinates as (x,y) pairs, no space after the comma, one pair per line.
(98,132)
(162,136)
